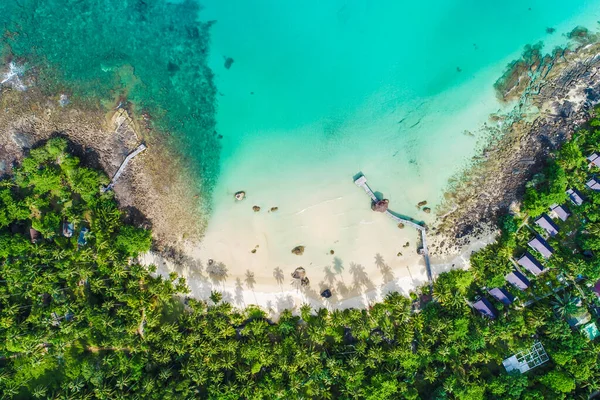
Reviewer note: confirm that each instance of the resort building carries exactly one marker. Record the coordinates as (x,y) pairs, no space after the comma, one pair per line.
(485,308)
(575,197)
(518,280)
(502,295)
(593,184)
(546,223)
(525,360)
(532,265)
(594,160)
(541,246)
(557,211)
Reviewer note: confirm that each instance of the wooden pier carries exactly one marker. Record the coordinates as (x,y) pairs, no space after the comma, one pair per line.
(361,181)
(129,157)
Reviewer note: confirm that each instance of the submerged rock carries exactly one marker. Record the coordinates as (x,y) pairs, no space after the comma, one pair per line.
(239,196)
(298,250)
(228,62)
(256,208)
(427,210)
(422,203)
(273,209)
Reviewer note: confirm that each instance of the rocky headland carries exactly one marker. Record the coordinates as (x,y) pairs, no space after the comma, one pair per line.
(152,192)
(553,95)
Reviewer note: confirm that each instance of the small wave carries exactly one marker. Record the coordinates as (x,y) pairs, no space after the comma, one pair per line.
(318,204)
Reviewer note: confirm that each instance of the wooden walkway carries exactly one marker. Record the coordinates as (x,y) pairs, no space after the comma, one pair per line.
(361,181)
(129,157)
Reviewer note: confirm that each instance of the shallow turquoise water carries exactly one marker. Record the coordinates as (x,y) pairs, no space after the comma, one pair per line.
(152,52)
(340,85)
(384,85)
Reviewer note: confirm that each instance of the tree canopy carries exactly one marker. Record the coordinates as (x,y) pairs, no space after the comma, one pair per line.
(81,318)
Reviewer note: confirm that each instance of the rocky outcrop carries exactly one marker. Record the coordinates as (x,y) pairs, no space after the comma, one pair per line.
(298,250)
(553,105)
(239,196)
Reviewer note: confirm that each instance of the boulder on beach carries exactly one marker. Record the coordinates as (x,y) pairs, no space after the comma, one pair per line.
(331,252)
(401,225)
(326,293)
(299,273)
(239,196)
(304,281)
(380,206)
(256,208)
(298,250)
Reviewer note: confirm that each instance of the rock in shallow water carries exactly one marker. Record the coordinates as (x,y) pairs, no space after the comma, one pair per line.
(239,196)
(256,208)
(298,250)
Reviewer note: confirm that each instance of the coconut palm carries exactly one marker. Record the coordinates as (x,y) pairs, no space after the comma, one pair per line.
(565,305)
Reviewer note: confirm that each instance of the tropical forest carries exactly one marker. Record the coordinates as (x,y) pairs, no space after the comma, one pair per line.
(81,318)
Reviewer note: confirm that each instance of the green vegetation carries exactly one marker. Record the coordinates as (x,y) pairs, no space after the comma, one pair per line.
(82,319)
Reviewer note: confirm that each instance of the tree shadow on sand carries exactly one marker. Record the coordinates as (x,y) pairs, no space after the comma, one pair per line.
(239,292)
(360,279)
(385,269)
(217,272)
(329,278)
(249,279)
(278,275)
(338,267)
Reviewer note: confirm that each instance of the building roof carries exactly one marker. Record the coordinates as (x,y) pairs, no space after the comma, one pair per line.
(594,159)
(529,262)
(590,330)
(560,211)
(538,243)
(581,318)
(485,308)
(593,184)
(518,280)
(546,223)
(525,360)
(575,197)
(502,295)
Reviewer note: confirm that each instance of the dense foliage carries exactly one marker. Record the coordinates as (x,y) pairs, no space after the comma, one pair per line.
(80,318)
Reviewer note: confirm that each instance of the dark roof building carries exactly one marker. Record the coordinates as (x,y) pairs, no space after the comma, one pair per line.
(593,184)
(485,308)
(518,280)
(502,295)
(532,265)
(557,211)
(546,223)
(594,160)
(575,197)
(539,244)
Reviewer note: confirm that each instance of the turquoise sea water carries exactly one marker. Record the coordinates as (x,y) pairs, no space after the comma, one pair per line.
(317,90)
(387,87)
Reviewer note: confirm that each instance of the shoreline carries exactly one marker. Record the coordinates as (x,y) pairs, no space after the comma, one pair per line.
(148,194)
(549,109)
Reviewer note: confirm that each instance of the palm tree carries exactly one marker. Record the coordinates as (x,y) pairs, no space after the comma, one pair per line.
(566,305)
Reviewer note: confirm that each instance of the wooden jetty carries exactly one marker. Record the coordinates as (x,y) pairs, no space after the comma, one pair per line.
(129,157)
(361,181)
